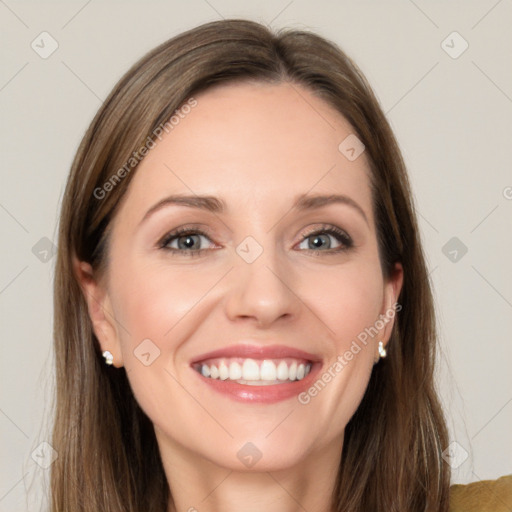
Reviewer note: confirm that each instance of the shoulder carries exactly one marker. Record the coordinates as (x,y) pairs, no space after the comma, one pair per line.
(483,496)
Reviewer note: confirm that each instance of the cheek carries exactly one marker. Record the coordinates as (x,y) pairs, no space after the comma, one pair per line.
(349,304)
(159,302)
(154,297)
(156,306)
(349,301)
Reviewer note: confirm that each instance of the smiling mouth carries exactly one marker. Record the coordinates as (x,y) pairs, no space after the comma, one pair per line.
(255,372)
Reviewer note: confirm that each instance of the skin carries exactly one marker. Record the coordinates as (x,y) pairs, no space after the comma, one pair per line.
(257,147)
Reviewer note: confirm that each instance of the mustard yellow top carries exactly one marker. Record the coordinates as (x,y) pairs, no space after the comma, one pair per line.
(483,496)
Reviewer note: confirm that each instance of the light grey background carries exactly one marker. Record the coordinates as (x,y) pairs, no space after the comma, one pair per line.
(452,117)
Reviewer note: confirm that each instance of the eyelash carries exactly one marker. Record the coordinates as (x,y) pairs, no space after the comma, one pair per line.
(342,237)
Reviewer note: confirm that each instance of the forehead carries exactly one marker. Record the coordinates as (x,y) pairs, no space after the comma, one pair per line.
(253,144)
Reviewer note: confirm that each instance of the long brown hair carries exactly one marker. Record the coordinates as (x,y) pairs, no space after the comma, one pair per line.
(108,455)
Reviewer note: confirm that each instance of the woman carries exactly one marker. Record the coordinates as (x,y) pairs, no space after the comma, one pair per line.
(243,316)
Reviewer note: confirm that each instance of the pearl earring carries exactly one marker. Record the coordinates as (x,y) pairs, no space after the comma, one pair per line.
(109,358)
(382,350)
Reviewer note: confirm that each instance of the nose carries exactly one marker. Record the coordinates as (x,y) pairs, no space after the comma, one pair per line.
(262,291)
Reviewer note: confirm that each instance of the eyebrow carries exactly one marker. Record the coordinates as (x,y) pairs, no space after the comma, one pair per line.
(212,204)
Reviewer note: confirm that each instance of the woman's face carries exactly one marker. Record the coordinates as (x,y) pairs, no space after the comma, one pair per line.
(259,264)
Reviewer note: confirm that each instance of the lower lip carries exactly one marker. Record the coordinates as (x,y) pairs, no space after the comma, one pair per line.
(261,394)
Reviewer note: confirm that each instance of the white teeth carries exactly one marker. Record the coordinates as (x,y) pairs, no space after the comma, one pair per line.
(223,371)
(268,370)
(250,370)
(235,371)
(292,371)
(214,372)
(256,373)
(282,371)
(259,382)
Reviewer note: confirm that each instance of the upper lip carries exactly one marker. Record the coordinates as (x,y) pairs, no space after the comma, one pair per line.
(246,350)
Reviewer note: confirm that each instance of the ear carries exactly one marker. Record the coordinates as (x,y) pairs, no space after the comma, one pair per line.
(390,305)
(100,310)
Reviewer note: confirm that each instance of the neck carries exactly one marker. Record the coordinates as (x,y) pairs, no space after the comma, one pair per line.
(199,485)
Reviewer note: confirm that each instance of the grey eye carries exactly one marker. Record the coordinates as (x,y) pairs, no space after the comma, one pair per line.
(318,241)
